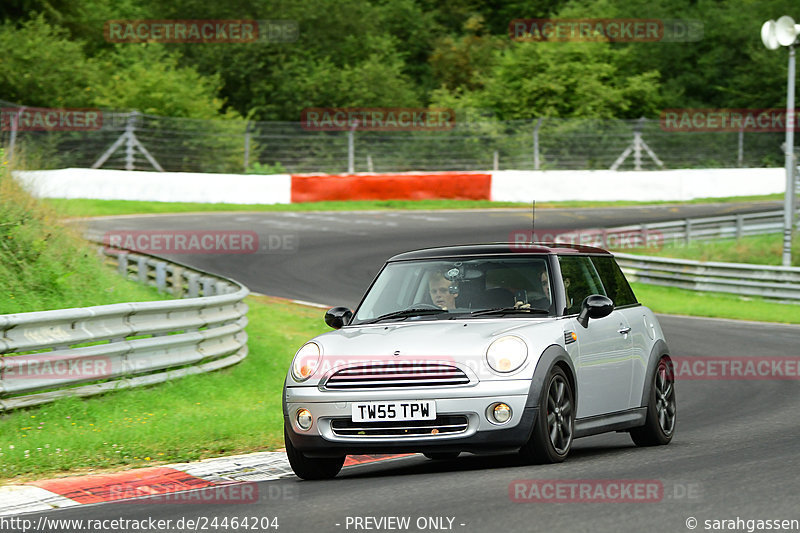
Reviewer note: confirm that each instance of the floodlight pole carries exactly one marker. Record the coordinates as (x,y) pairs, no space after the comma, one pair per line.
(788,208)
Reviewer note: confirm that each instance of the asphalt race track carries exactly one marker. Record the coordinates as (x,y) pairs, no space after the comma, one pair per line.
(735,453)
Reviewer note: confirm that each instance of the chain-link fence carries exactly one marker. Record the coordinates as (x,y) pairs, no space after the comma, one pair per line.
(146,142)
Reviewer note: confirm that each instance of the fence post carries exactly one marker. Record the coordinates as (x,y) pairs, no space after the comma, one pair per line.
(14,120)
(247,146)
(496,165)
(637,146)
(740,155)
(739,226)
(130,146)
(536,144)
(351,148)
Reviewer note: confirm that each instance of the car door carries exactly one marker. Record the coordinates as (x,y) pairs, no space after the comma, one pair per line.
(604,365)
(625,302)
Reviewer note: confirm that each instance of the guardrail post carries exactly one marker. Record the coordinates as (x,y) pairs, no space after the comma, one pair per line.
(688,231)
(208,286)
(122,264)
(193,288)
(220,287)
(177,281)
(141,262)
(161,275)
(739,226)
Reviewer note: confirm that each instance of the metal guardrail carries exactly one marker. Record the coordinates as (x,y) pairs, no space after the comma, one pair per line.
(730,226)
(686,230)
(48,355)
(774,282)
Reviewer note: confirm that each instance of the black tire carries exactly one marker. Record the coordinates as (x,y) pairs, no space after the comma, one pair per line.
(311,467)
(662,410)
(552,435)
(441,456)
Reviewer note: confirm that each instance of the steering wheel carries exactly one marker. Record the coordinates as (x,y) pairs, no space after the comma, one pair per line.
(422,305)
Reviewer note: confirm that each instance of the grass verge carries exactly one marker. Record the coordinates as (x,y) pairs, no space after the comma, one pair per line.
(757,249)
(44,265)
(89,208)
(669,300)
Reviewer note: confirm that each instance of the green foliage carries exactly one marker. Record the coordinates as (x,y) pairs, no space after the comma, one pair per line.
(41,65)
(259,168)
(148,79)
(392,53)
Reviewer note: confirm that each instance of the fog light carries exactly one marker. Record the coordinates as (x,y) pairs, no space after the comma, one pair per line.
(304,419)
(501,413)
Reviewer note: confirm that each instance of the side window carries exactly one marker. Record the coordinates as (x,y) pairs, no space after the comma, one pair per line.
(580,280)
(617,287)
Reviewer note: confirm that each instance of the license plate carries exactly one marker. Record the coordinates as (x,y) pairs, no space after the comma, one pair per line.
(399,410)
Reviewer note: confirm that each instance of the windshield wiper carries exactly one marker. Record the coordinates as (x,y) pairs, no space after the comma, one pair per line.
(406,313)
(506,310)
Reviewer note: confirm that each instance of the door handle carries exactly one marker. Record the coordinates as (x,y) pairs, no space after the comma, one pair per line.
(624,331)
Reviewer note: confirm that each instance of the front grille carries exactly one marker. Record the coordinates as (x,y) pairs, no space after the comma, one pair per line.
(396,374)
(442,425)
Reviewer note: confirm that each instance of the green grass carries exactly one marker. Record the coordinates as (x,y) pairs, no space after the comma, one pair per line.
(757,249)
(44,265)
(87,208)
(669,300)
(235,410)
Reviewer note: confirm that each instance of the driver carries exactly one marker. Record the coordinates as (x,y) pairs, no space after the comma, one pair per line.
(439,289)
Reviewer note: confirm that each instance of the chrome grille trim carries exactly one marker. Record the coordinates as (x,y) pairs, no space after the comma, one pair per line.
(395,374)
(444,425)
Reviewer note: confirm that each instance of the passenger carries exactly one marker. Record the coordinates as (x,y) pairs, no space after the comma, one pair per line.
(544,303)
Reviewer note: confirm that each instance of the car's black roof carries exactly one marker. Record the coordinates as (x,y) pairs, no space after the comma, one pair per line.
(500,248)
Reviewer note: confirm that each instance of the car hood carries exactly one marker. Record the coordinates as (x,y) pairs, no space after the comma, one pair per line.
(460,342)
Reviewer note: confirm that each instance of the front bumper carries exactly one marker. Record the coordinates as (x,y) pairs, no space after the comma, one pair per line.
(470,402)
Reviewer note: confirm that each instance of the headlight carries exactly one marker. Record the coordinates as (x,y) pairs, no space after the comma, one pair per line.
(506,354)
(306,361)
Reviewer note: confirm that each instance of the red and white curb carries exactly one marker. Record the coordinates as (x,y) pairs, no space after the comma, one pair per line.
(168,479)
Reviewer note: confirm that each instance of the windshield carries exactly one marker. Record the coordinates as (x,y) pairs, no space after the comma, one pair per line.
(444,289)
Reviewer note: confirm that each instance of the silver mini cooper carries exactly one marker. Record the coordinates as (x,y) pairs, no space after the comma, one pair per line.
(517,347)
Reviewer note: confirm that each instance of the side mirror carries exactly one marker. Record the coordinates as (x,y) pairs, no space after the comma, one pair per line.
(594,306)
(338,317)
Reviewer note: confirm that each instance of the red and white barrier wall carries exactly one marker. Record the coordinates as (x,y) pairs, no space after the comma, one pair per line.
(503,185)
